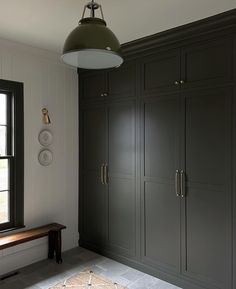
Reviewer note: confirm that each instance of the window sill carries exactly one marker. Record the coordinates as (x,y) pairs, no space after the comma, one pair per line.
(11,229)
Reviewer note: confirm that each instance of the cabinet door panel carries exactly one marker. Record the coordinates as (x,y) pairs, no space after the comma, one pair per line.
(162,225)
(122,214)
(206,136)
(93,85)
(121,135)
(206,248)
(208,201)
(234,57)
(160,205)
(95,224)
(161,128)
(159,72)
(121,81)
(94,138)
(122,139)
(208,63)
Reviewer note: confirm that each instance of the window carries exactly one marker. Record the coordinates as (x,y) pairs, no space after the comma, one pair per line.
(11,155)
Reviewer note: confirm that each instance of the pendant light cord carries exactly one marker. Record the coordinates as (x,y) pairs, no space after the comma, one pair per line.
(92,12)
(93,6)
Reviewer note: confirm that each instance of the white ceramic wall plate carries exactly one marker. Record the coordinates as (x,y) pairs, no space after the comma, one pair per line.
(45,157)
(45,138)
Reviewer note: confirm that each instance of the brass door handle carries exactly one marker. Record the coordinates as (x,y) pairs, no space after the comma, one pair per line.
(177,185)
(182,184)
(102,174)
(106,178)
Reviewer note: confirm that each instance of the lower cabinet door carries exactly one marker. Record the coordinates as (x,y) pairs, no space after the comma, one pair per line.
(207,206)
(121,194)
(160,204)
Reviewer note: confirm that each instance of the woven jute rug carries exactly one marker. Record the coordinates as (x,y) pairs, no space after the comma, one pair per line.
(86,280)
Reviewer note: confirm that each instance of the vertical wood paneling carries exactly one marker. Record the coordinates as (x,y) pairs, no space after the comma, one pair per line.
(51,193)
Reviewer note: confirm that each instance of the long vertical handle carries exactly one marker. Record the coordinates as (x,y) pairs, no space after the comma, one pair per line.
(182,184)
(106,179)
(102,174)
(177,187)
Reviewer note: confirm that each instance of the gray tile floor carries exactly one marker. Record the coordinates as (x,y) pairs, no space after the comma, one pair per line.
(46,273)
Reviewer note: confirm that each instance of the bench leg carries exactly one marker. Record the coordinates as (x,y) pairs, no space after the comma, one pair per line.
(58,246)
(51,244)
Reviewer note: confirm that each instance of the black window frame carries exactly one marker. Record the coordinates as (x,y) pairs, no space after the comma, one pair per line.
(15,151)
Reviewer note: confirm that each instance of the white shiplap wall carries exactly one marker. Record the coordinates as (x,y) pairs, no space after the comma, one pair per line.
(51,193)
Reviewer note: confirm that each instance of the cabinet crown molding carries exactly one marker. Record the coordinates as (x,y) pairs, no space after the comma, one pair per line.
(224,22)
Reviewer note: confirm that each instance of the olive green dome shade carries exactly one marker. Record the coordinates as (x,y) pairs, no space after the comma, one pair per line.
(92,45)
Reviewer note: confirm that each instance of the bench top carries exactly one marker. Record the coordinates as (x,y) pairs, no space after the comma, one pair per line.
(28,235)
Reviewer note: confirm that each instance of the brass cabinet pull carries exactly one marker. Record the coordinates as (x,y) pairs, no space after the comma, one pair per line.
(176,82)
(106,179)
(177,187)
(182,81)
(102,174)
(182,184)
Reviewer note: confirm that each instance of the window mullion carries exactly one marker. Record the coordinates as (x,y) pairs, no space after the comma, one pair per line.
(8,157)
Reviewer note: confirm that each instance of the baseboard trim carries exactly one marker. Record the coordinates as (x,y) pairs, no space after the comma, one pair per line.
(136,264)
(9,275)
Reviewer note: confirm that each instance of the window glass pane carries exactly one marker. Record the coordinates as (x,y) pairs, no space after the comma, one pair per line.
(3,108)
(4,207)
(3,140)
(4,175)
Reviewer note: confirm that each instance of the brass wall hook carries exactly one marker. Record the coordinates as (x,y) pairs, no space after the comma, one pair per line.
(46,118)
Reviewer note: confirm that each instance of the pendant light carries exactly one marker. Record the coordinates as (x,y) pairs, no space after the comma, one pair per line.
(92,45)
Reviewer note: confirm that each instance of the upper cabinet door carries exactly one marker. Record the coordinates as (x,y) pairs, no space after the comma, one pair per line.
(160,72)
(207,63)
(121,81)
(93,85)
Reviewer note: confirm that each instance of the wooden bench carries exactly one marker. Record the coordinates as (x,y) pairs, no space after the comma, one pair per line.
(53,231)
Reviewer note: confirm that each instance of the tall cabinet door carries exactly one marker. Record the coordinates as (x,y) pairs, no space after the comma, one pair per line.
(93,226)
(207,214)
(160,203)
(121,163)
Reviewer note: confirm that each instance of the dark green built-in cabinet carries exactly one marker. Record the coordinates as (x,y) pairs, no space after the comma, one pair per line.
(158,156)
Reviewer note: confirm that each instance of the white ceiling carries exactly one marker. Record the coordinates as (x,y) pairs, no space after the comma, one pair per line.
(46,23)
